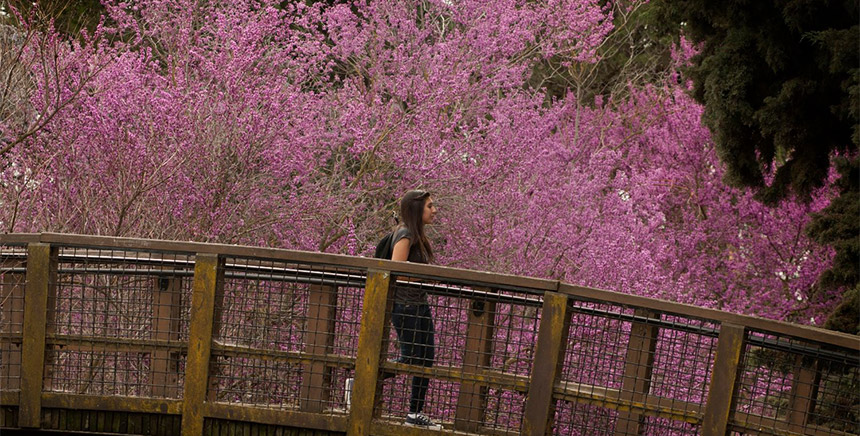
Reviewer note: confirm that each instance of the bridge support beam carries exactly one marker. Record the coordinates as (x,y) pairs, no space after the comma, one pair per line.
(316,380)
(370,340)
(40,290)
(721,393)
(548,359)
(638,365)
(472,401)
(208,281)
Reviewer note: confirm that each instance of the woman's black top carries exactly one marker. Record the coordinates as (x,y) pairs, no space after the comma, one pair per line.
(402,294)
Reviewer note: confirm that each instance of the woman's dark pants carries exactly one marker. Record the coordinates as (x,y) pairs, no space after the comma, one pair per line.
(414,325)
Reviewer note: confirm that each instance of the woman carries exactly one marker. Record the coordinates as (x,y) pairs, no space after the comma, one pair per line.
(411,315)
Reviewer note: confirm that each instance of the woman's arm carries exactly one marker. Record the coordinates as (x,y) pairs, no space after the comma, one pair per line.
(401,250)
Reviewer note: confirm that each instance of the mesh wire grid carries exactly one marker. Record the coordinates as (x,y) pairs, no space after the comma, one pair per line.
(286,333)
(797,385)
(625,359)
(476,332)
(117,322)
(12,284)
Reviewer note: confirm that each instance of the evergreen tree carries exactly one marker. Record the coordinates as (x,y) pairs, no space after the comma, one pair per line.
(780,83)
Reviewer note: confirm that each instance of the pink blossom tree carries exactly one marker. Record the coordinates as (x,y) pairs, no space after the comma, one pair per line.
(245,123)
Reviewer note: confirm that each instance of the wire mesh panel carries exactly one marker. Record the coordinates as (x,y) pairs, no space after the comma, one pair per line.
(12,284)
(593,368)
(280,327)
(114,323)
(683,363)
(794,384)
(633,361)
(466,334)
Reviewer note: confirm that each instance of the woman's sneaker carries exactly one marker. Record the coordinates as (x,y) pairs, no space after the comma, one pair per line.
(421,420)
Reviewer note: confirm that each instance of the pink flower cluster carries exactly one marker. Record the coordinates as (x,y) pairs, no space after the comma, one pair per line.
(239,122)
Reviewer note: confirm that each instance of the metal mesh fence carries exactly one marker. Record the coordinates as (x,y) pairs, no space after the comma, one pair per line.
(12,284)
(284,335)
(466,335)
(116,321)
(620,361)
(797,385)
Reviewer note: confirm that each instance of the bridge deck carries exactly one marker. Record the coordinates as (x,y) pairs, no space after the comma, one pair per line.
(126,336)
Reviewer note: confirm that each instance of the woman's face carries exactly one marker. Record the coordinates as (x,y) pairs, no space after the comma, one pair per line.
(429,211)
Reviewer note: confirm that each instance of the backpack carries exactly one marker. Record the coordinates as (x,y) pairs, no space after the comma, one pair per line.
(384,249)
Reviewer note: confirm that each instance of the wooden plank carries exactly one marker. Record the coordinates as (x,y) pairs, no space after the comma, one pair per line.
(316,380)
(721,391)
(474,277)
(41,283)
(804,390)
(370,338)
(548,356)
(19,238)
(472,399)
(9,398)
(56,400)
(164,371)
(814,334)
(208,269)
(638,366)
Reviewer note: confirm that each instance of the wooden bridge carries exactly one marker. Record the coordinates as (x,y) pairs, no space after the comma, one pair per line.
(128,336)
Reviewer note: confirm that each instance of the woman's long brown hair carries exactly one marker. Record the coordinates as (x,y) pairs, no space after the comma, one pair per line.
(411,216)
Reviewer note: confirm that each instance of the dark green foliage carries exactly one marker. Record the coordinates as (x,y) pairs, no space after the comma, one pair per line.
(846,316)
(779,81)
(838,225)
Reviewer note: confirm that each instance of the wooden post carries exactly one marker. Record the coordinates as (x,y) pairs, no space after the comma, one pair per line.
(638,366)
(721,392)
(804,389)
(316,380)
(167,301)
(41,284)
(370,340)
(208,279)
(472,401)
(12,295)
(548,358)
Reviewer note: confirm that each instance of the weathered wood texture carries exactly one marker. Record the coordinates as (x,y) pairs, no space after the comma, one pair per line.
(548,358)
(316,380)
(472,401)
(192,410)
(370,339)
(208,274)
(638,365)
(41,284)
(721,393)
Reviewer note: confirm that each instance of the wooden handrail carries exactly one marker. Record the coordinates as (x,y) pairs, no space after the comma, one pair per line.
(551,304)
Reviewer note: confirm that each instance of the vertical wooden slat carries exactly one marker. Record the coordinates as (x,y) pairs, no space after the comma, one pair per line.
(724,377)
(472,401)
(41,283)
(316,382)
(208,271)
(166,299)
(638,365)
(369,352)
(552,338)
(804,389)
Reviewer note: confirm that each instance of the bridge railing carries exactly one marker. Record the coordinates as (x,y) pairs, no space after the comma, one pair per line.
(154,337)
